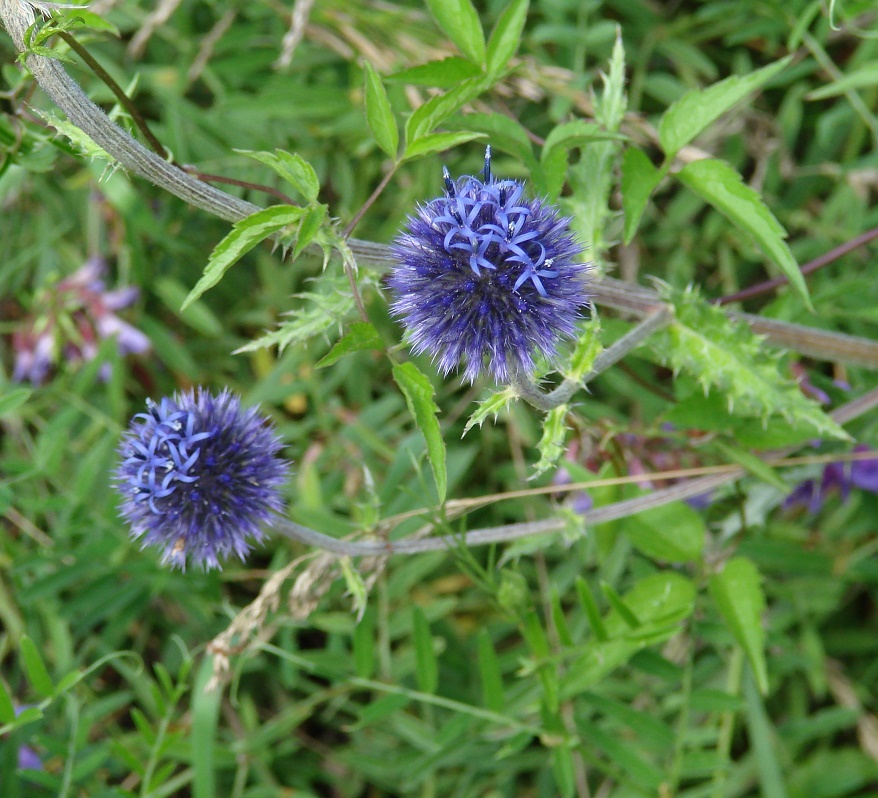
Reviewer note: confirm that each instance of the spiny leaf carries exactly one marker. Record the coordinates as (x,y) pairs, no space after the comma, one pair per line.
(490,407)
(551,445)
(726,355)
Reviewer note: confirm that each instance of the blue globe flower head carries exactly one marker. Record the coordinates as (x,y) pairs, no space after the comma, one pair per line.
(486,276)
(199,477)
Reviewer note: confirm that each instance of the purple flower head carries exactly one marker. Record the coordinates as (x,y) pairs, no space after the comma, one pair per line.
(199,476)
(68,321)
(486,276)
(841,477)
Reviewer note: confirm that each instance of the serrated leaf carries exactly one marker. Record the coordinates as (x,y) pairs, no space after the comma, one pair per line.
(360,335)
(460,22)
(291,167)
(551,445)
(34,667)
(720,185)
(698,109)
(437,109)
(506,36)
(611,105)
(639,180)
(490,407)
(379,114)
(726,355)
(12,400)
(426,667)
(549,178)
(437,142)
(737,593)
(490,674)
(245,235)
(444,74)
(418,393)
(673,532)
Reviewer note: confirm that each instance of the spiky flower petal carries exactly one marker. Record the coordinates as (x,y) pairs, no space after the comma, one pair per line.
(486,276)
(199,477)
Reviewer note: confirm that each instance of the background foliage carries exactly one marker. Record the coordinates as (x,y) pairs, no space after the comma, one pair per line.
(727,650)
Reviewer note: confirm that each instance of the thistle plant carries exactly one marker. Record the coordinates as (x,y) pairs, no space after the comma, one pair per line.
(200,477)
(486,276)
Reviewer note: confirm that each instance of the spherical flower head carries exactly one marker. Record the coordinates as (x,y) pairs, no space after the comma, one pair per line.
(199,477)
(485,276)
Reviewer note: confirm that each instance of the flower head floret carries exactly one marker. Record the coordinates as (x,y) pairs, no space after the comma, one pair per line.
(487,276)
(200,477)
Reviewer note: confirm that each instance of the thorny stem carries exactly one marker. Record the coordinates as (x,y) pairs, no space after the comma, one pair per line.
(16,16)
(599,515)
(120,95)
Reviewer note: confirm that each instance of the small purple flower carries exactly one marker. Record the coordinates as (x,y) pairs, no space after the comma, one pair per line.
(841,477)
(199,476)
(68,321)
(486,276)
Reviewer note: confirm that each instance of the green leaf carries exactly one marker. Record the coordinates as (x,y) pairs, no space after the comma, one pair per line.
(418,392)
(460,22)
(12,400)
(618,604)
(438,142)
(444,74)
(720,185)
(360,335)
(551,445)
(309,227)
(490,407)
(426,667)
(379,114)
(205,714)
(506,36)
(364,645)
(737,593)
(590,608)
(36,671)
(639,180)
(764,744)
(658,602)
(490,674)
(698,109)
(673,532)
(356,587)
(865,75)
(245,235)
(292,168)
(724,354)
(7,710)
(436,110)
